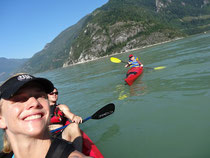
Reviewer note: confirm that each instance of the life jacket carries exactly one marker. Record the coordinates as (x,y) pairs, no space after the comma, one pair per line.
(6,155)
(57,116)
(134,63)
(59,148)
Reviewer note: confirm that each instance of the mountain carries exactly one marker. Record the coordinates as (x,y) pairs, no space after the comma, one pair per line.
(9,66)
(55,53)
(121,25)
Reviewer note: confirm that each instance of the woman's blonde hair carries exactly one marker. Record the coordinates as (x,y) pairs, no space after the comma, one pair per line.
(7,148)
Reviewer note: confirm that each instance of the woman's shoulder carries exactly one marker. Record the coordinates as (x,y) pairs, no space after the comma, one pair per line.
(63,107)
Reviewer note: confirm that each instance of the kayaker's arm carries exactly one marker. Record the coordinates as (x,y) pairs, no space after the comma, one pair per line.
(128,64)
(68,114)
(141,65)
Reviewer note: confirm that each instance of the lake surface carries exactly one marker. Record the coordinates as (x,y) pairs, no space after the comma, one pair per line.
(164,114)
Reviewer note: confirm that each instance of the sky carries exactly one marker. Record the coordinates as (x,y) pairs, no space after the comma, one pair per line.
(26,26)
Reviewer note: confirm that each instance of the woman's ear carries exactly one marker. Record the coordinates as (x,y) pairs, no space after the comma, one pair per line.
(2,123)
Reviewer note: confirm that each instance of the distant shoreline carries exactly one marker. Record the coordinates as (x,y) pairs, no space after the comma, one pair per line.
(129,50)
(134,49)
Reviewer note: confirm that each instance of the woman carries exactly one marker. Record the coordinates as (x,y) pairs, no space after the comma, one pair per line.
(60,114)
(24,117)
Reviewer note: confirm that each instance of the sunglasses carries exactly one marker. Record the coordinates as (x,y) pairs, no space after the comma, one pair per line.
(56,93)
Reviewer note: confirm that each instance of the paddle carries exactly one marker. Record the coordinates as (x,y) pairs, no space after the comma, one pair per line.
(103,112)
(116,60)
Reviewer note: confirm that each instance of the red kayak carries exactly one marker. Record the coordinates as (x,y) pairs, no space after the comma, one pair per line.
(132,74)
(89,148)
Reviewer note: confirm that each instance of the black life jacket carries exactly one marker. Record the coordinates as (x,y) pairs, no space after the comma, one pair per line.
(59,148)
(6,155)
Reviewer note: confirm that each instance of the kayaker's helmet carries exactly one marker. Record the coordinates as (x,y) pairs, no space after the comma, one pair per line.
(131,55)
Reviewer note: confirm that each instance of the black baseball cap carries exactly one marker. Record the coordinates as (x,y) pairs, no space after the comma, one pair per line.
(13,84)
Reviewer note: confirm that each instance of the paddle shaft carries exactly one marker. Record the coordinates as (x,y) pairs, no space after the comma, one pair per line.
(124,62)
(58,129)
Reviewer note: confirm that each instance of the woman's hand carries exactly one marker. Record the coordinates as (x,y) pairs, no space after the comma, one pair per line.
(76,119)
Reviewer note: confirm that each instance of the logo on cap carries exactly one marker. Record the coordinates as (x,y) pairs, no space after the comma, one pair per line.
(24,77)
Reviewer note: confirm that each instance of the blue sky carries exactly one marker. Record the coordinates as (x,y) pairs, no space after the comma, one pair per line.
(27,25)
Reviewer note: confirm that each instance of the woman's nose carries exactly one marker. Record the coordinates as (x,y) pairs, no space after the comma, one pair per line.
(32,102)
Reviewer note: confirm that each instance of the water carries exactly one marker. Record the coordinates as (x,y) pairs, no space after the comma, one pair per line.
(165,113)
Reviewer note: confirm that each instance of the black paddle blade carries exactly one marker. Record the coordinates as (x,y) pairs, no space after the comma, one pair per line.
(105,111)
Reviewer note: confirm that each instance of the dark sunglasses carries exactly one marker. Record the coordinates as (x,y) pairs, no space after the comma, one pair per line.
(56,93)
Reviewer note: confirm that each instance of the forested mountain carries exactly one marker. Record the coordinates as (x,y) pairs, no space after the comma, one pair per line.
(55,53)
(9,66)
(121,25)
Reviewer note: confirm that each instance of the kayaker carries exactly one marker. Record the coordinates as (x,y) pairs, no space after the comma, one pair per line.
(133,62)
(60,116)
(24,118)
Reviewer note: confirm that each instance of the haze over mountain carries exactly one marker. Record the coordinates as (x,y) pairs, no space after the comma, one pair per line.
(121,25)
(9,66)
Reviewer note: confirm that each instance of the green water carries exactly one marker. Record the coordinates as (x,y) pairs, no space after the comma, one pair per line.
(164,114)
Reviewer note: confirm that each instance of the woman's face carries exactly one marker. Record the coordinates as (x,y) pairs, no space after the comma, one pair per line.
(53,96)
(26,113)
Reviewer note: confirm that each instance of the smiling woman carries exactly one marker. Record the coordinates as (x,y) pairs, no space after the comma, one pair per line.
(24,117)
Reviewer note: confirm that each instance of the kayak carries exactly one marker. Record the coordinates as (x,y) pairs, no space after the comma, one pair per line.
(132,74)
(89,148)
